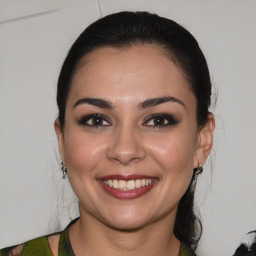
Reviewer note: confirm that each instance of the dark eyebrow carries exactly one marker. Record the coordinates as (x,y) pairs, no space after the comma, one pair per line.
(95,102)
(156,101)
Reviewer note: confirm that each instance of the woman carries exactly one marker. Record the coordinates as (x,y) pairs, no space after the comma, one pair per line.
(134,130)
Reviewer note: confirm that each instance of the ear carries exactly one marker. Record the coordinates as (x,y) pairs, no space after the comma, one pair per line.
(60,137)
(205,141)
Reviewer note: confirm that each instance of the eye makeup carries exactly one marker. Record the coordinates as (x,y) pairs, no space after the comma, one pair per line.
(94,120)
(158,120)
(161,120)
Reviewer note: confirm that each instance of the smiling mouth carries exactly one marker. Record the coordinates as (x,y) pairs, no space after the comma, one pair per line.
(127,185)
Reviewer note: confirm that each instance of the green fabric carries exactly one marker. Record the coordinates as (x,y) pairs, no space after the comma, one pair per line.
(40,247)
(65,248)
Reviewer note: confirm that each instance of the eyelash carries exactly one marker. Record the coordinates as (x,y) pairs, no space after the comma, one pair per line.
(92,118)
(169,120)
(163,120)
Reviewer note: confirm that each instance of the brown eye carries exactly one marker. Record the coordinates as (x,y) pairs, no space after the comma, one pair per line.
(96,120)
(160,120)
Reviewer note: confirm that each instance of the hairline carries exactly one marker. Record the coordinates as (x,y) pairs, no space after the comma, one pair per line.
(125,46)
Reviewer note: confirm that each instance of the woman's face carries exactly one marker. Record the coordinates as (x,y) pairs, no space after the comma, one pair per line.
(131,139)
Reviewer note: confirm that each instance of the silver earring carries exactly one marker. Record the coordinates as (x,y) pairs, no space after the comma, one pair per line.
(64,170)
(197,171)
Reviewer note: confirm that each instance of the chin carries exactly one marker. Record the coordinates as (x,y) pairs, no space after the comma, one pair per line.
(127,224)
(126,220)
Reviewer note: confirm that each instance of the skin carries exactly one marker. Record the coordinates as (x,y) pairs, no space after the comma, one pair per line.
(127,143)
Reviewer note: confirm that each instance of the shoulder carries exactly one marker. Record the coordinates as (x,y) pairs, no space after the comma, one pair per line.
(38,246)
(42,246)
(12,250)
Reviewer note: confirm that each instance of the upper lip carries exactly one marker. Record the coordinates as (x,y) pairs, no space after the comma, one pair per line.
(126,177)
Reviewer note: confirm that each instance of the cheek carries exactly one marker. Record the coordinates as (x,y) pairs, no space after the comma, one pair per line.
(174,157)
(82,152)
(174,153)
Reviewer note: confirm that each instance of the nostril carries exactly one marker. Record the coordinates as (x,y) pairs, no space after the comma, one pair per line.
(126,146)
(125,158)
(126,154)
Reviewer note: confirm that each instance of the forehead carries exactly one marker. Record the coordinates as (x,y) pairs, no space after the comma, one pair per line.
(135,73)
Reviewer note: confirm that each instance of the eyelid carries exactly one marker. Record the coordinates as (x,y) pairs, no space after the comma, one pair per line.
(169,117)
(84,119)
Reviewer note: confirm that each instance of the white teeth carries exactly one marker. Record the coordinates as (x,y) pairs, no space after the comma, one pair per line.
(138,183)
(115,183)
(128,185)
(122,184)
(110,183)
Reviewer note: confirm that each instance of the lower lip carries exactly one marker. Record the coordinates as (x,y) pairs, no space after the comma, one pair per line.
(127,194)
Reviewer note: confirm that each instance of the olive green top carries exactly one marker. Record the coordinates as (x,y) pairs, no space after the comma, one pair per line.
(40,247)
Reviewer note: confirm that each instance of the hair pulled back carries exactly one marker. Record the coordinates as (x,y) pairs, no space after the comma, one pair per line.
(125,29)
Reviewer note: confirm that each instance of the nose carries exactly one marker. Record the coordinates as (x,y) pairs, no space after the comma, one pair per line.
(126,146)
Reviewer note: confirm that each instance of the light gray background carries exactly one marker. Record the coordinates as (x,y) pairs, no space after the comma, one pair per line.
(35,36)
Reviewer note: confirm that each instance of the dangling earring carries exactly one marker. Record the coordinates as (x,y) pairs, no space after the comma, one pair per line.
(64,170)
(197,171)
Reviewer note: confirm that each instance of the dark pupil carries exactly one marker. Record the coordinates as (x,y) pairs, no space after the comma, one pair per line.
(97,121)
(159,121)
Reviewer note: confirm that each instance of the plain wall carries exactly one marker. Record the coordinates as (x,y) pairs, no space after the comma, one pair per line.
(34,41)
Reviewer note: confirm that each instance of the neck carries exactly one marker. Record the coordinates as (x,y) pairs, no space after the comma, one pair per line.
(89,236)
